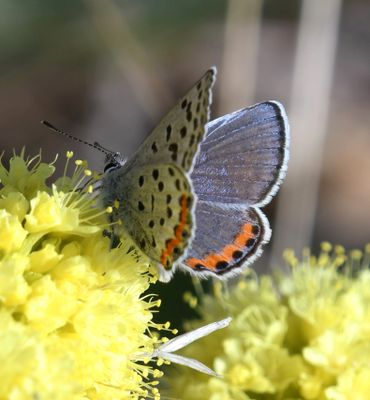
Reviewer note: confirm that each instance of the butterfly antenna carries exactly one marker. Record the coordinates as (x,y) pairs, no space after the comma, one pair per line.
(96,145)
(101,148)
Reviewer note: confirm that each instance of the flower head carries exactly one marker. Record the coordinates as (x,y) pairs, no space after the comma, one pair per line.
(302,335)
(74,320)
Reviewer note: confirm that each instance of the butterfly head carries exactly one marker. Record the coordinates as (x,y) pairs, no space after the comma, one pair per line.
(113,161)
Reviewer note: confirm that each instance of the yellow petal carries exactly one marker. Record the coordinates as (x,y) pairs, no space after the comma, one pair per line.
(13,287)
(12,233)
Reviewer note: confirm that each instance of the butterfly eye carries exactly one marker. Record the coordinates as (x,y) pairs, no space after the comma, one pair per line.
(113,161)
(110,166)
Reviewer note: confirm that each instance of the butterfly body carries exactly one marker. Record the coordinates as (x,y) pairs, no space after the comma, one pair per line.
(153,189)
(190,196)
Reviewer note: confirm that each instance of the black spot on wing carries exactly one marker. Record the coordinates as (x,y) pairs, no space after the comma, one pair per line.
(255,229)
(173,148)
(192,140)
(152,202)
(154,147)
(168,132)
(222,265)
(155,174)
(237,254)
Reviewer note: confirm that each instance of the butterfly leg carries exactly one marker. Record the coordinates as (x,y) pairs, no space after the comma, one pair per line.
(114,239)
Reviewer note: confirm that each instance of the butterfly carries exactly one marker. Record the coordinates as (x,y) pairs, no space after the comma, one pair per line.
(190,196)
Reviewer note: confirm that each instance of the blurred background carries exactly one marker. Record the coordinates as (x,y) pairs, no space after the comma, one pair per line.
(107,71)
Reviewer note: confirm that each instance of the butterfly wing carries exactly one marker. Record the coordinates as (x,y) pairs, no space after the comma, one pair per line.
(236,244)
(243,159)
(176,138)
(241,164)
(153,188)
(155,205)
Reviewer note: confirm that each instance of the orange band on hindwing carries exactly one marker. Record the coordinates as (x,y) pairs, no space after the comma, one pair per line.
(230,253)
(171,244)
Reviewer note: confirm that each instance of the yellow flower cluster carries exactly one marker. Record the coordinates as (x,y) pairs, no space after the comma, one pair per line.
(302,335)
(73,317)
